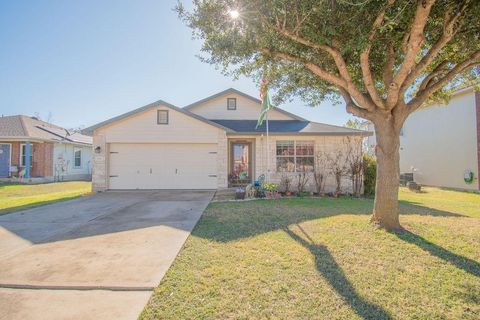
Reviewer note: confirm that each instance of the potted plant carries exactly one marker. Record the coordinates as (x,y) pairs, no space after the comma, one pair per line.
(271,190)
(239,194)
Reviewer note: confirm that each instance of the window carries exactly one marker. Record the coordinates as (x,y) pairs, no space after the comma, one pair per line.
(77,157)
(162,116)
(23,151)
(295,156)
(231,103)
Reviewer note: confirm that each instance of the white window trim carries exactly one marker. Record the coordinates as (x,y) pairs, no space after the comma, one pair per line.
(294,156)
(74,157)
(21,155)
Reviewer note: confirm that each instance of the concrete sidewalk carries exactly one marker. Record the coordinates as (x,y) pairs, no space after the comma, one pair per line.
(101,249)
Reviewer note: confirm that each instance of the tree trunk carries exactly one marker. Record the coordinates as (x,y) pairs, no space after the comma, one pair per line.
(385,211)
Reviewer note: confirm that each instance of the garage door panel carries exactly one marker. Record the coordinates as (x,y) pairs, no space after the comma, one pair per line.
(163,166)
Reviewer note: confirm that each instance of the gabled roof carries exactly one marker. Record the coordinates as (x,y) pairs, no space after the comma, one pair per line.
(25,127)
(155,104)
(235,91)
(289,127)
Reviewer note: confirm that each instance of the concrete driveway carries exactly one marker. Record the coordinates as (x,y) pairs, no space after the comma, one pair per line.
(95,257)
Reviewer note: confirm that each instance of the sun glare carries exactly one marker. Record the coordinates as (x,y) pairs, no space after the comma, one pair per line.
(234,14)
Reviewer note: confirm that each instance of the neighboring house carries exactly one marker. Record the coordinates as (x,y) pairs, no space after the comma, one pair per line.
(209,144)
(37,151)
(440,144)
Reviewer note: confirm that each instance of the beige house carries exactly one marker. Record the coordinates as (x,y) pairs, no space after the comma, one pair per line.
(210,144)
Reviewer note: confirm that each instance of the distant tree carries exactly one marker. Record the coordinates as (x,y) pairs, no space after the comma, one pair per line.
(354,124)
(386,58)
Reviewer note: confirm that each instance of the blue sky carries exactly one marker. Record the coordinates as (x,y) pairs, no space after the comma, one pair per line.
(86,61)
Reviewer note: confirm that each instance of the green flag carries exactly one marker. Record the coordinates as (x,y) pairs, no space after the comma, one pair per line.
(265,107)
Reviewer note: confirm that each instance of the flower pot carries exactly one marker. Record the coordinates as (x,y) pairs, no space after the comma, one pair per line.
(239,195)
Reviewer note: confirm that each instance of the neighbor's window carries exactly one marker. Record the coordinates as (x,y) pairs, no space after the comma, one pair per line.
(295,156)
(23,152)
(77,157)
(162,116)
(231,103)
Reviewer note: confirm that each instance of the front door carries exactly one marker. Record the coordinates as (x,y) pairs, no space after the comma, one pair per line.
(4,160)
(240,163)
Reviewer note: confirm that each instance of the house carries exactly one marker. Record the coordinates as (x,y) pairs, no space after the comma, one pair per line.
(440,144)
(210,144)
(32,150)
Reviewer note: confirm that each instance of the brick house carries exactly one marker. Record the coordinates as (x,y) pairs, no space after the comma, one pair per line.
(38,151)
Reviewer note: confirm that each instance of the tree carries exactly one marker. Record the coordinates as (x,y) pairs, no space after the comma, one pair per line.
(384,58)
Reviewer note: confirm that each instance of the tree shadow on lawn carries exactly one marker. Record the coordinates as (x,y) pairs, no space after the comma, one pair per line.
(234,221)
(331,271)
(461,262)
(229,221)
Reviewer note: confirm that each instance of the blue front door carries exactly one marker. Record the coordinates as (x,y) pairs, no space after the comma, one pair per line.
(4,160)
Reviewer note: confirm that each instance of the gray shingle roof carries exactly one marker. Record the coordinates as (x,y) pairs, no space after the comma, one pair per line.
(20,126)
(289,126)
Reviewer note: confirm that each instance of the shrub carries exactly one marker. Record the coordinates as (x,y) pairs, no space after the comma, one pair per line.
(369,174)
(272,187)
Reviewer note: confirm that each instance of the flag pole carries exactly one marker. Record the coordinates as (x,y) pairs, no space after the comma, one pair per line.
(268,150)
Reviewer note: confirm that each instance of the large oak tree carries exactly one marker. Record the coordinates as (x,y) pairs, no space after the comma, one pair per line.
(385,58)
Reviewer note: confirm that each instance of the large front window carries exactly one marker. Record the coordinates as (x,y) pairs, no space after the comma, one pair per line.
(295,156)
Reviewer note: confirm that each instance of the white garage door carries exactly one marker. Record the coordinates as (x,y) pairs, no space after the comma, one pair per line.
(163,166)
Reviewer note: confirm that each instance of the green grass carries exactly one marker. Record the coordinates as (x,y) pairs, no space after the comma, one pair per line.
(15,197)
(320,259)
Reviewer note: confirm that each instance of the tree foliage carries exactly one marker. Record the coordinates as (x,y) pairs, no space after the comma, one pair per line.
(374,52)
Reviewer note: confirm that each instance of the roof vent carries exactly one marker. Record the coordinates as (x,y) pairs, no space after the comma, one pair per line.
(34,118)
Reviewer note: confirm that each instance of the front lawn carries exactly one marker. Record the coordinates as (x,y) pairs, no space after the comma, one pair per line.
(14,197)
(320,259)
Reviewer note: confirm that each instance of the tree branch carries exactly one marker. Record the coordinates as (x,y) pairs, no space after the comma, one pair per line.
(339,62)
(352,107)
(422,95)
(389,65)
(365,56)
(449,31)
(413,44)
(322,73)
